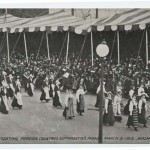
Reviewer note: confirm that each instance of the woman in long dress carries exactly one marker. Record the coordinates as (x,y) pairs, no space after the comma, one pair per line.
(4,108)
(142,109)
(69,108)
(98,92)
(30,85)
(108,117)
(133,113)
(17,100)
(80,100)
(45,90)
(57,97)
(131,93)
(117,106)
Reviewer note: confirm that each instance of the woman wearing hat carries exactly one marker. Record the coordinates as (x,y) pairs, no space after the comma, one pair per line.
(69,109)
(117,106)
(142,109)
(4,108)
(133,113)
(45,90)
(17,100)
(80,100)
(108,117)
(57,97)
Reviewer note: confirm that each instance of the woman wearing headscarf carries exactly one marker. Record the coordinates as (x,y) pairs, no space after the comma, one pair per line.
(45,90)
(108,117)
(69,108)
(133,113)
(17,100)
(4,108)
(80,100)
(142,109)
(117,106)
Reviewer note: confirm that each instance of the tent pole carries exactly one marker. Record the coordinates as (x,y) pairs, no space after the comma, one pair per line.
(92,47)
(118,47)
(25,45)
(47,46)
(67,48)
(7,46)
(146,47)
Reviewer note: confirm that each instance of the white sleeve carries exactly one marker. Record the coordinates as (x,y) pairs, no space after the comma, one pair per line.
(98,89)
(140,106)
(106,105)
(139,92)
(77,95)
(131,107)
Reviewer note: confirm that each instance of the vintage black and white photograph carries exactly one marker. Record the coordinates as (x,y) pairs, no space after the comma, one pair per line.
(75,76)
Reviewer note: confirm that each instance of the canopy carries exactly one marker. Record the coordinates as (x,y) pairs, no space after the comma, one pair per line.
(58,21)
(133,19)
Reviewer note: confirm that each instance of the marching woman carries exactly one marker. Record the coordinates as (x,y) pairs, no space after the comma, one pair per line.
(133,113)
(142,109)
(4,108)
(45,91)
(131,93)
(98,92)
(30,85)
(108,117)
(80,100)
(57,97)
(11,88)
(52,87)
(69,109)
(17,100)
(117,106)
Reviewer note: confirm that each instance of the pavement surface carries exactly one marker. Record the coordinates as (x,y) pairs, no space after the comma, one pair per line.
(40,123)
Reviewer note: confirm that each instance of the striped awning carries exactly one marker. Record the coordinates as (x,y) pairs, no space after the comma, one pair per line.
(134,19)
(58,21)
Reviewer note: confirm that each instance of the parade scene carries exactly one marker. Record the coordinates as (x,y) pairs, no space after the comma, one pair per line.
(59,85)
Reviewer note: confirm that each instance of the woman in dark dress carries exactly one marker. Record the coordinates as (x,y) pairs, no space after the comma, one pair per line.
(133,113)
(4,108)
(108,117)
(142,109)
(17,100)
(80,100)
(57,97)
(30,85)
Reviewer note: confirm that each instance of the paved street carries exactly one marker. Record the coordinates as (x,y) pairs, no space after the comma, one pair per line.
(41,123)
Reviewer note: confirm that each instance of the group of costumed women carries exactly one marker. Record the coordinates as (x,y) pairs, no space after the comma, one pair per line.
(135,108)
(10,92)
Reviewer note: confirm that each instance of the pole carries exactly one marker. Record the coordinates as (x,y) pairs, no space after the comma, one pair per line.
(146,47)
(7,46)
(72,12)
(25,45)
(47,46)
(100,141)
(92,47)
(118,47)
(96,12)
(67,48)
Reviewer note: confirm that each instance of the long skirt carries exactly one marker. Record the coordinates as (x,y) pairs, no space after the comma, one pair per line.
(17,101)
(133,120)
(80,104)
(45,95)
(142,117)
(4,105)
(56,100)
(126,108)
(108,118)
(30,89)
(10,92)
(69,111)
